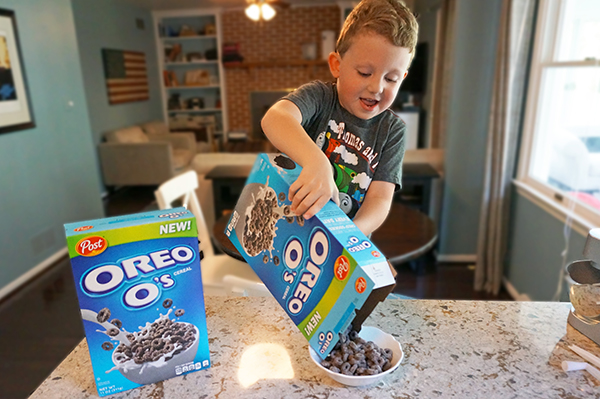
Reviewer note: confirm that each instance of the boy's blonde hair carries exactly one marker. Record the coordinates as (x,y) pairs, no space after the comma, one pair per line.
(389,18)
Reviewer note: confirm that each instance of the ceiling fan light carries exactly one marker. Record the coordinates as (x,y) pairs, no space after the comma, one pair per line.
(253,12)
(267,11)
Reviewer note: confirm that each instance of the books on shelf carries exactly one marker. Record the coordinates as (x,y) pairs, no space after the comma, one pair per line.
(170,79)
(173,53)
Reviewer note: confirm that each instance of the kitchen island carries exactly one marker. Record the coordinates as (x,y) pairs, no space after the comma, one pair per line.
(462,349)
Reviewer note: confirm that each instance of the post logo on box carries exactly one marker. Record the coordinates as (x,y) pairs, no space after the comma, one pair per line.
(141,297)
(341,267)
(361,285)
(322,271)
(91,246)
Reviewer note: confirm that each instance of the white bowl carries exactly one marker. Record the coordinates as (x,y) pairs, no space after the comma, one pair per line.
(383,340)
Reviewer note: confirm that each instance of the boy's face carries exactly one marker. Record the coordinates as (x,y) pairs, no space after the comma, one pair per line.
(369,74)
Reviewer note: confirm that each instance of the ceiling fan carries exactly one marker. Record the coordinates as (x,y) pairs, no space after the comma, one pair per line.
(264,9)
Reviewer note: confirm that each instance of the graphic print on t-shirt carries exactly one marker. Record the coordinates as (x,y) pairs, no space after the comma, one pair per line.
(353,162)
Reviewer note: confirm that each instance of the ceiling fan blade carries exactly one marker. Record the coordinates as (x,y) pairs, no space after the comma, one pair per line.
(279,3)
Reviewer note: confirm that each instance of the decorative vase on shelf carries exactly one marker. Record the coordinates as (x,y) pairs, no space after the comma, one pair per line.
(174,102)
(195,103)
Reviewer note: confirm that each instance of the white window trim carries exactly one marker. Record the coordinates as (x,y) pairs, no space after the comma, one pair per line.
(549,199)
(559,211)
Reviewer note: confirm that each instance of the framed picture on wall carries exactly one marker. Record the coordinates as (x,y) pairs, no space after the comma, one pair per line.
(15,109)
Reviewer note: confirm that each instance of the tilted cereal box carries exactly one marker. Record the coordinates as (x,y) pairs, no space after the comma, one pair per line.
(324,272)
(139,287)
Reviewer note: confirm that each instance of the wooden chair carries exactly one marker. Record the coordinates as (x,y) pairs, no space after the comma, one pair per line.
(221,274)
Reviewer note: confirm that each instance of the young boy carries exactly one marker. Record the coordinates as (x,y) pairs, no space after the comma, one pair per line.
(349,144)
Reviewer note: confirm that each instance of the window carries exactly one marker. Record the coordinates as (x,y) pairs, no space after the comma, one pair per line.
(560,152)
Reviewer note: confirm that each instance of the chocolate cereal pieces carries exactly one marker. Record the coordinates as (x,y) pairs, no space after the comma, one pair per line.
(353,355)
(117,323)
(259,229)
(103,315)
(163,338)
(113,332)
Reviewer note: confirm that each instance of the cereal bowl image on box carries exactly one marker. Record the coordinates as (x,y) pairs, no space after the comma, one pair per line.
(152,353)
(262,211)
(139,287)
(373,344)
(161,367)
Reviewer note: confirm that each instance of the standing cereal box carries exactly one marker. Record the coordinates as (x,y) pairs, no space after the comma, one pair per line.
(139,287)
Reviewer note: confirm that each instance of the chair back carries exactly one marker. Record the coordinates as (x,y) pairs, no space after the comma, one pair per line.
(183,187)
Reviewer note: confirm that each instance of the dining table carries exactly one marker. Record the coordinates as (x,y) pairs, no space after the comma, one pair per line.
(452,349)
(406,235)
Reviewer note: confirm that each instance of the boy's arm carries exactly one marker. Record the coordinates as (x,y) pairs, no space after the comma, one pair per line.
(315,185)
(375,207)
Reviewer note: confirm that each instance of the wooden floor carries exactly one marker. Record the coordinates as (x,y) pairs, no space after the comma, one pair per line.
(41,324)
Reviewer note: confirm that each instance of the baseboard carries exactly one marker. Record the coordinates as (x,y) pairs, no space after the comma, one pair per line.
(458,258)
(15,284)
(512,291)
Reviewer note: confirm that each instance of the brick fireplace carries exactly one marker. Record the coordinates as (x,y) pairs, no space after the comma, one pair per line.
(277,41)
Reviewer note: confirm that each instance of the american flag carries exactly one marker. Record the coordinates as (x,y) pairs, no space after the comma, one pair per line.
(126,76)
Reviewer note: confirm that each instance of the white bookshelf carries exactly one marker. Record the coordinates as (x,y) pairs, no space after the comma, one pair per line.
(192,61)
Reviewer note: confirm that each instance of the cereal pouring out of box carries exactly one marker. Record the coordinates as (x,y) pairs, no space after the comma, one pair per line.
(139,287)
(323,271)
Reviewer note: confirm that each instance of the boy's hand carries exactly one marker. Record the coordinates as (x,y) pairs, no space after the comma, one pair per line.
(313,188)
(315,185)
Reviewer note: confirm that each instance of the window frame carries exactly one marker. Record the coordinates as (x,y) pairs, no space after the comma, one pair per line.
(551,199)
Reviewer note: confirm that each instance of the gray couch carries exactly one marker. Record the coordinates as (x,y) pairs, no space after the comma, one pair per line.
(129,156)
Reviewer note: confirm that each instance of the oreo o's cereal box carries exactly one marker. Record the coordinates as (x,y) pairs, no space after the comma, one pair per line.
(324,272)
(139,287)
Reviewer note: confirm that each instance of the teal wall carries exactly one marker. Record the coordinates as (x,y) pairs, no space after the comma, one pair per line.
(537,240)
(476,30)
(48,174)
(112,24)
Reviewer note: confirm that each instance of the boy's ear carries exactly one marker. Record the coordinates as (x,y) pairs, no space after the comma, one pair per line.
(334,60)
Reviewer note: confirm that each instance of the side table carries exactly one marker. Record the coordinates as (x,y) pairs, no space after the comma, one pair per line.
(422,175)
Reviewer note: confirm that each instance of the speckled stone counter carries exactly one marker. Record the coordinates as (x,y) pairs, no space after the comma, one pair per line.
(462,349)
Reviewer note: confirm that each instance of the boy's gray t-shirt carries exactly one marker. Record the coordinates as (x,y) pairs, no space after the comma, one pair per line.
(359,150)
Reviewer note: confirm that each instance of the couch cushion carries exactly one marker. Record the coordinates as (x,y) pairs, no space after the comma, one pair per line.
(203,146)
(133,134)
(182,158)
(155,127)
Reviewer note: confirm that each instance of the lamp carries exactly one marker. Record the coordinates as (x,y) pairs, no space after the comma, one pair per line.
(253,12)
(259,9)
(267,11)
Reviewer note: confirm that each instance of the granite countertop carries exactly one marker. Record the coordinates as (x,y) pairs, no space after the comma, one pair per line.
(463,349)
